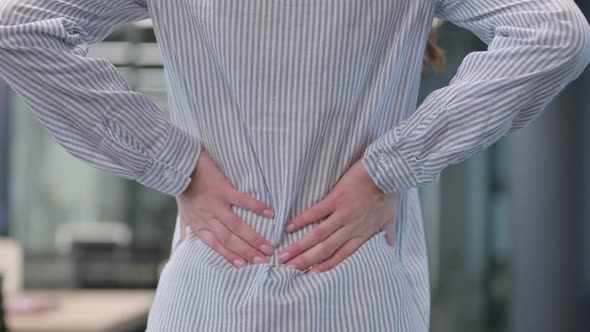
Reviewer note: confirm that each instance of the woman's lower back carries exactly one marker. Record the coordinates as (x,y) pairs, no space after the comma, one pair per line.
(377,288)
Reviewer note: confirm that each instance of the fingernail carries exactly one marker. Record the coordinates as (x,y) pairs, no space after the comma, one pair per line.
(268,213)
(291,265)
(259,260)
(283,257)
(313,272)
(266,249)
(239,263)
(290,227)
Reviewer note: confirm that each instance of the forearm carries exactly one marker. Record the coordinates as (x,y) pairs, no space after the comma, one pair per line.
(535,49)
(86,104)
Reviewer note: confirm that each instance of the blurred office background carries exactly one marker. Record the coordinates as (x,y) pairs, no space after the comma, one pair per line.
(508,231)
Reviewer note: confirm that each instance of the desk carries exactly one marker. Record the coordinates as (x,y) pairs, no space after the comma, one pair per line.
(87,311)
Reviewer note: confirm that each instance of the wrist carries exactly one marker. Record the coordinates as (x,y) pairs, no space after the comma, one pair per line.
(369,180)
(192,176)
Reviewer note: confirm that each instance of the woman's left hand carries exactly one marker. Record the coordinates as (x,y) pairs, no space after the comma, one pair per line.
(356,210)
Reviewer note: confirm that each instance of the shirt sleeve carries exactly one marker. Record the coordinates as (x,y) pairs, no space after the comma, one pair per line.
(86,104)
(534,49)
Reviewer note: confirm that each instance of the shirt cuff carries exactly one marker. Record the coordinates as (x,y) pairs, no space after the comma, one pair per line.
(390,171)
(170,170)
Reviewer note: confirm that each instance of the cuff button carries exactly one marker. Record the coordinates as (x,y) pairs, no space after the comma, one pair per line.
(382,158)
(167,174)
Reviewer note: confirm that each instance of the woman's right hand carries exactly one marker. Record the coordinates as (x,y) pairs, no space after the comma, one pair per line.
(205,206)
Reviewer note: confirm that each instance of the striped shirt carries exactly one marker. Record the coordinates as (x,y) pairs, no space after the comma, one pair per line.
(286,95)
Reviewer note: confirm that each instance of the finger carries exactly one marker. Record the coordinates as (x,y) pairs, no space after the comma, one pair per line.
(340,255)
(321,232)
(182,231)
(321,251)
(240,228)
(320,210)
(234,243)
(246,201)
(209,239)
(390,232)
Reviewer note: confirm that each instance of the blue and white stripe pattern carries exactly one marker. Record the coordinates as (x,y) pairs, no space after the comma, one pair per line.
(286,95)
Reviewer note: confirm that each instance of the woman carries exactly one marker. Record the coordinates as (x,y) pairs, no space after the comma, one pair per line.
(291,112)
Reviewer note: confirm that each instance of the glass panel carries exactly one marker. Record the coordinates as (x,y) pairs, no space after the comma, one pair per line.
(466,218)
(49,187)
(4,136)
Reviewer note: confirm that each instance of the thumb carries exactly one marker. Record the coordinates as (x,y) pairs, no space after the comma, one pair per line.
(182,231)
(390,232)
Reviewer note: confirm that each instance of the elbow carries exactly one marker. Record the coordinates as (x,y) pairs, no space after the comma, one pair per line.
(583,55)
(579,48)
(11,13)
(574,41)
(22,26)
